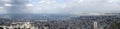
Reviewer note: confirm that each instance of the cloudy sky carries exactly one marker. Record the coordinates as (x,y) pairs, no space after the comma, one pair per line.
(68,6)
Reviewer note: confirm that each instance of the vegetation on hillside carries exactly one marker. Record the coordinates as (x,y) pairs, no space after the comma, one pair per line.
(114,25)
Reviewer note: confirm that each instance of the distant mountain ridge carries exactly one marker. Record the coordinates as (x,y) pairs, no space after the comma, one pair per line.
(35,16)
(47,16)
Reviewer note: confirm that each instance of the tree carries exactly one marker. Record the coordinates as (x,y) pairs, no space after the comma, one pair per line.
(1,28)
(114,25)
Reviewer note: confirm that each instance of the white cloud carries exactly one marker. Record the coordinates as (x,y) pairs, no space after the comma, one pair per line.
(2,10)
(80,1)
(42,1)
(1,7)
(29,5)
(76,6)
(113,1)
(6,0)
(7,4)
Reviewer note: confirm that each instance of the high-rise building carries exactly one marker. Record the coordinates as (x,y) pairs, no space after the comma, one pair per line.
(95,25)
